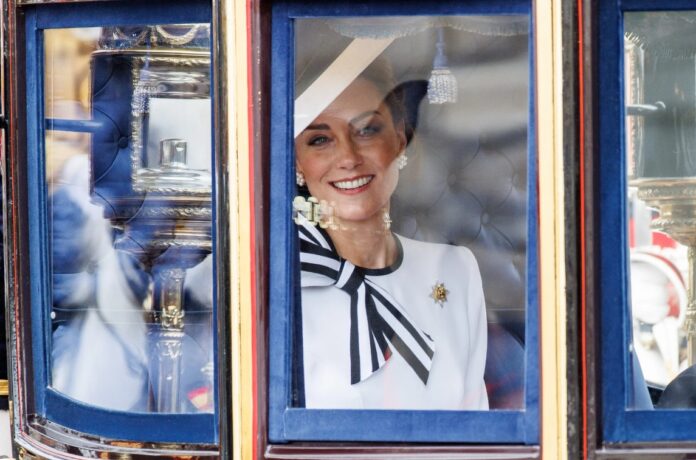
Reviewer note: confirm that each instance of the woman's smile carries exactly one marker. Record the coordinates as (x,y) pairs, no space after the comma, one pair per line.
(355,185)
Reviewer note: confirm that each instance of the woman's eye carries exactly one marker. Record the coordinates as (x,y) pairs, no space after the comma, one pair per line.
(369,130)
(318,140)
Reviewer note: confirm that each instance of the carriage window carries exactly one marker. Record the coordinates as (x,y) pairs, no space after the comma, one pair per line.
(646,168)
(399,142)
(128,177)
(409,147)
(660,97)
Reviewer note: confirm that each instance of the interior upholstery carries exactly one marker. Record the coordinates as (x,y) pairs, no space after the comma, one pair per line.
(466,184)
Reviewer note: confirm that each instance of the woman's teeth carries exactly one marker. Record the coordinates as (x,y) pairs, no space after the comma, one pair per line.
(351,184)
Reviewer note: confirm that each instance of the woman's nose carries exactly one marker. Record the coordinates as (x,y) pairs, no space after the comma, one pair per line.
(348,154)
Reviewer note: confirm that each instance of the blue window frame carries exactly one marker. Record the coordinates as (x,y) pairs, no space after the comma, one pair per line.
(54,406)
(287,421)
(625,418)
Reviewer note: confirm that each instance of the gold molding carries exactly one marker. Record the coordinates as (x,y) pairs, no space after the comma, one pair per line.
(549,108)
(235,39)
(4,387)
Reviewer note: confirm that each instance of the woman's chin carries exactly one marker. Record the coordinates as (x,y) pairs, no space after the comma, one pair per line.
(359,217)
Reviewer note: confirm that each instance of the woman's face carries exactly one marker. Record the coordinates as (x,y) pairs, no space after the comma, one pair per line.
(347,154)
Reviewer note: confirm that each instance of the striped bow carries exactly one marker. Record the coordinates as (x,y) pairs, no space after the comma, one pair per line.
(377,321)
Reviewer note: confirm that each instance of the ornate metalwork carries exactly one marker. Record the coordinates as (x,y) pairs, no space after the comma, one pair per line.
(51,434)
(169,349)
(676,200)
(181,244)
(177,76)
(171,298)
(179,40)
(633,57)
(177,213)
(167,190)
(166,217)
(137,40)
(174,35)
(666,192)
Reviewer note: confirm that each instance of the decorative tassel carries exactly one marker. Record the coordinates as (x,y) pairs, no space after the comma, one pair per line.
(442,85)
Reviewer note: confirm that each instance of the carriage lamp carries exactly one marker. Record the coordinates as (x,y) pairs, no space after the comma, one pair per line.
(183,240)
(155,184)
(660,93)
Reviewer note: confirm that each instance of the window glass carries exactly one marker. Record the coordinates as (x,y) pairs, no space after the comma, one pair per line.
(660,143)
(128,177)
(411,148)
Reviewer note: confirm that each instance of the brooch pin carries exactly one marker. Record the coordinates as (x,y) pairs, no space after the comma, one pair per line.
(439,294)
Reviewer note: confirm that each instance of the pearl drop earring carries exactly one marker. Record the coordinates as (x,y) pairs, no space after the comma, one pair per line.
(402,161)
(386,220)
(299,178)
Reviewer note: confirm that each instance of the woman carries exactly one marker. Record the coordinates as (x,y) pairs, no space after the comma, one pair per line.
(387,322)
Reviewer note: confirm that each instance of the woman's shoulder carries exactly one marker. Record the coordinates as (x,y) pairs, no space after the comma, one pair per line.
(442,255)
(441,249)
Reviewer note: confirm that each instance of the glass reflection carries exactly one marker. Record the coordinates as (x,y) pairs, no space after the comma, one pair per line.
(130,223)
(410,138)
(660,99)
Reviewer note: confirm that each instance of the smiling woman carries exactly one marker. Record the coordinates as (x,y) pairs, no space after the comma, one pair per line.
(347,157)
(387,322)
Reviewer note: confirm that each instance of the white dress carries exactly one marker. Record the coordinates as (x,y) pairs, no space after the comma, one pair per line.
(458,328)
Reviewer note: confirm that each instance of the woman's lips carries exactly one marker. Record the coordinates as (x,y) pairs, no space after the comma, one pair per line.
(353,185)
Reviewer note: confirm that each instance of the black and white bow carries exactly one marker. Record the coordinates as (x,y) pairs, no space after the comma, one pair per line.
(377,321)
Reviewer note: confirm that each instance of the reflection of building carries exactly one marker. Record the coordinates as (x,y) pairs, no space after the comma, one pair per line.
(68,53)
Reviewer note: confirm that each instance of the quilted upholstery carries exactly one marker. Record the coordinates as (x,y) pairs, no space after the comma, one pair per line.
(466,184)
(111,102)
(473,193)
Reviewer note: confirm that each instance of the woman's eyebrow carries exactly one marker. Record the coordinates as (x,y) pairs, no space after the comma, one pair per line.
(317,126)
(364,115)
(353,121)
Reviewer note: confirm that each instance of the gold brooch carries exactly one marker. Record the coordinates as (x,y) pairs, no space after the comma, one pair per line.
(439,294)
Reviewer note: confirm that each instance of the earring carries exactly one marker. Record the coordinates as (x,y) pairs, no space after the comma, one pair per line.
(386,220)
(402,161)
(299,178)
